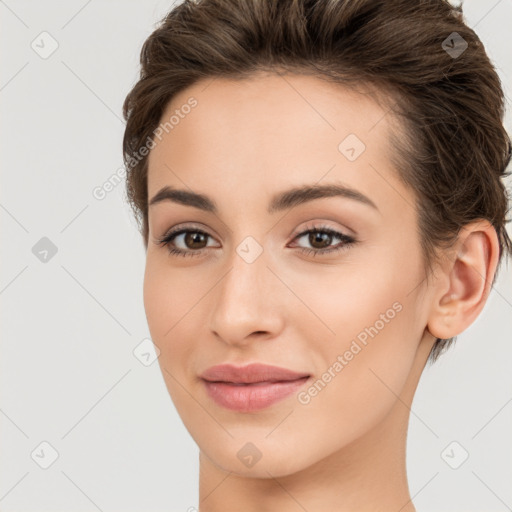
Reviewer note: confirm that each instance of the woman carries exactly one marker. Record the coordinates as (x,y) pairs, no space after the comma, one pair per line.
(318,187)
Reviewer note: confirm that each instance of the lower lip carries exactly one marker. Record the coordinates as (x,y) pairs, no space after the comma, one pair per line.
(251,397)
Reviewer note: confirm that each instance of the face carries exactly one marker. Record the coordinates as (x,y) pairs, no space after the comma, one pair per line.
(328,284)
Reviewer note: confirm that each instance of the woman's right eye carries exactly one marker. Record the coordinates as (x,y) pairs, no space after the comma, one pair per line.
(187,237)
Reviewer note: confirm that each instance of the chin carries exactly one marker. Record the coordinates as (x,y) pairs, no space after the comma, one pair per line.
(255,456)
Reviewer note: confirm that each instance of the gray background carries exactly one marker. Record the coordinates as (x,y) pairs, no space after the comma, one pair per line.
(70,325)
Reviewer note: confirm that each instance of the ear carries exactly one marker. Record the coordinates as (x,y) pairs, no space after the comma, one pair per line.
(466,280)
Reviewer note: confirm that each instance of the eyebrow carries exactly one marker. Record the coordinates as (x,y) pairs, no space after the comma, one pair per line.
(281,201)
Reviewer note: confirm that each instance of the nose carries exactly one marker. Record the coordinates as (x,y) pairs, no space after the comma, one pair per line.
(249,302)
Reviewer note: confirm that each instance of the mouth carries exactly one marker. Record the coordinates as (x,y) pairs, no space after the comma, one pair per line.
(259,383)
(250,374)
(253,396)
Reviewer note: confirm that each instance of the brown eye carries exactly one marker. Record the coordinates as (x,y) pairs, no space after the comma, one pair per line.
(192,242)
(195,239)
(320,239)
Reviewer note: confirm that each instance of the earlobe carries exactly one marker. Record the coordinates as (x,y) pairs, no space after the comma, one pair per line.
(465,281)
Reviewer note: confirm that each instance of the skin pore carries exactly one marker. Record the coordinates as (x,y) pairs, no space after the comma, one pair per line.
(242,145)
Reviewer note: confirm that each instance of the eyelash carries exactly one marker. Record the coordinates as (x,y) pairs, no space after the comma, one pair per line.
(346,240)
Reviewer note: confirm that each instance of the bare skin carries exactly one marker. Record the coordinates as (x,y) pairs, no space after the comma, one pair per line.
(342,447)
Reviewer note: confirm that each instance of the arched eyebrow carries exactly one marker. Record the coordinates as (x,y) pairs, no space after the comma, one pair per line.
(280,201)
(299,195)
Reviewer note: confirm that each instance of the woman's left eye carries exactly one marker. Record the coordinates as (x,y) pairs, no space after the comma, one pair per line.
(319,237)
(323,237)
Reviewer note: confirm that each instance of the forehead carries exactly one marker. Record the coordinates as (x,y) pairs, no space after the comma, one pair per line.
(268,132)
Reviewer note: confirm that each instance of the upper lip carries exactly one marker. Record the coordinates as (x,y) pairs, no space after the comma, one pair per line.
(251,373)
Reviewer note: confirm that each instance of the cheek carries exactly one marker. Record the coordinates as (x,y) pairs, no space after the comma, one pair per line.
(172,301)
(361,372)
(168,303)
(369,298)
(369,320)
(168,295)
(156,299)
(164,302)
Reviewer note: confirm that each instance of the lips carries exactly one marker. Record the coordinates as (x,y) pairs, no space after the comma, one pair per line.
(251,388)
(251,374)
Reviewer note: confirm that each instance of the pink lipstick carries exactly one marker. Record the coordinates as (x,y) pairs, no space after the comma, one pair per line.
(252,387)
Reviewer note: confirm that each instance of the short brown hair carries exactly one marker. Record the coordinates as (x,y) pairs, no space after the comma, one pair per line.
(453,150)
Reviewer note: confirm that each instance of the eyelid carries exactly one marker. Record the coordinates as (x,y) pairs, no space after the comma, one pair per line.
(298,232)
(321,226)
(185,227)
